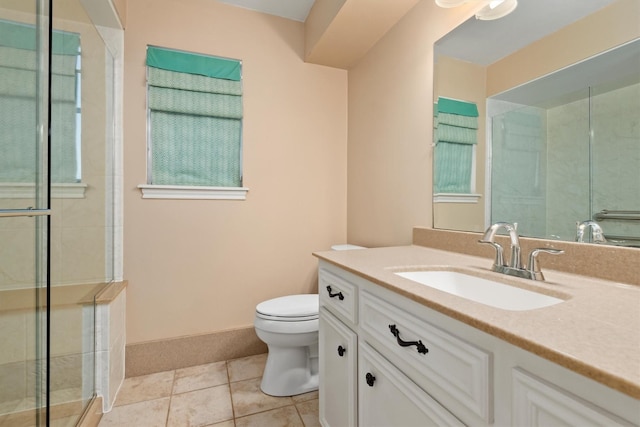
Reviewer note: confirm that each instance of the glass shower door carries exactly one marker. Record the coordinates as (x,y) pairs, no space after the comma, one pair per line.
(24,211)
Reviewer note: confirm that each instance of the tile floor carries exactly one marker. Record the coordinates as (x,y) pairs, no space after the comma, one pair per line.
(222,394)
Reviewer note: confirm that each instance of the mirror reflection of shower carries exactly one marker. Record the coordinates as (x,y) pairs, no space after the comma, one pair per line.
(563,154)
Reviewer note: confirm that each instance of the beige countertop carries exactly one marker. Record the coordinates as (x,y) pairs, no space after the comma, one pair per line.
(594,332)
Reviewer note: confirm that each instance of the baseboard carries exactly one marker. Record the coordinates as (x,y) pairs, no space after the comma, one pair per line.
(165,355)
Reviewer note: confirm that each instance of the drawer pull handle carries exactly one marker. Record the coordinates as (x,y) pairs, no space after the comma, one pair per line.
(339,294)
(341,350)
(419,346)
(370,379)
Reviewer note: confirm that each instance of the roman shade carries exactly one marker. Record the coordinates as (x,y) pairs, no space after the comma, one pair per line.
(18,100)
(195,119)
(456,127)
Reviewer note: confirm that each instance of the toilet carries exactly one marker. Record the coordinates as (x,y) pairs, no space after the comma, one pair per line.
(289,327)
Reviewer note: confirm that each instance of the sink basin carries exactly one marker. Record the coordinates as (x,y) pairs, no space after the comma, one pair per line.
(481,290)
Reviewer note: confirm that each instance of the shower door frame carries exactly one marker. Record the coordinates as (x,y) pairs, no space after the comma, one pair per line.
(41,212)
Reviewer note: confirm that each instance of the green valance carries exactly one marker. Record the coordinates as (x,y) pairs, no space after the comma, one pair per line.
(23,36)
(193,63)
(452,106)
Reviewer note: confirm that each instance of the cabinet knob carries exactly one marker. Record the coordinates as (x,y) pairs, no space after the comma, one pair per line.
(370,379)
(331,295)
(341,350)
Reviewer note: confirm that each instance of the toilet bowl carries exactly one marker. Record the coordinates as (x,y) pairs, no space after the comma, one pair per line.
(289,327)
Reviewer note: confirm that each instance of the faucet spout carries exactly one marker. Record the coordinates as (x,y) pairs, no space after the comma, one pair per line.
(515,267)
(489,235)
(597,234)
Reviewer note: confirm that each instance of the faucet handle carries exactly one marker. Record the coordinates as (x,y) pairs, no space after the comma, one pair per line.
(533,267)
(499,261)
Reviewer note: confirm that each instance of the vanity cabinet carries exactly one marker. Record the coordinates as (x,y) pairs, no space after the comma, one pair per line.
(338,363)
(387,397)
(538,403)
(386,360)
(360,383)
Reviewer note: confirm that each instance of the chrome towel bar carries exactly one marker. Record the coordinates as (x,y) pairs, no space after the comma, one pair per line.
(618,215)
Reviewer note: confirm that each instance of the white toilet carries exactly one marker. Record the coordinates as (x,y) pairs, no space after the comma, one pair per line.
(289,327)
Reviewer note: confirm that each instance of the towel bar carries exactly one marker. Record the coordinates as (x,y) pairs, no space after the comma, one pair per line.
(618,215)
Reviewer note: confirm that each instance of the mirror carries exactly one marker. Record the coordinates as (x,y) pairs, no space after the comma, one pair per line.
(557,95)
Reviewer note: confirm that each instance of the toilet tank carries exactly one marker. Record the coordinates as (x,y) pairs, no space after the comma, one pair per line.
(345,247)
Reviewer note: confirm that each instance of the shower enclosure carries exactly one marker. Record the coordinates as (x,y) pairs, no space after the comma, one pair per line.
(56,207)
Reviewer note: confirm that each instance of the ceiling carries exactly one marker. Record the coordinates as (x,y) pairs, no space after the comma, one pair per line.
(297,10)
(531,21)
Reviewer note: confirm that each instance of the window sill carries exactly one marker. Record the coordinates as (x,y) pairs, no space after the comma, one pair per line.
(26,190)
(192,192)
(456,198)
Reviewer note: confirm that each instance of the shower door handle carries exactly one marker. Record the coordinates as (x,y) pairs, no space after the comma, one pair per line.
(24,212)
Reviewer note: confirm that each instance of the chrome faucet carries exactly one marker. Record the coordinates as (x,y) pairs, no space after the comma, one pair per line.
(515,268)
(516,260)
(596,231)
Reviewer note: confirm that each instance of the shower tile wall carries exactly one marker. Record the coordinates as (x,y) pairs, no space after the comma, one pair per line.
(615,120)
(568,171)
(616,124)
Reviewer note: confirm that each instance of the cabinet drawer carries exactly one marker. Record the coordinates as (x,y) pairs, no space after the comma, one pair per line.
(388,398)
(537,403)
(338,295)
(458,368)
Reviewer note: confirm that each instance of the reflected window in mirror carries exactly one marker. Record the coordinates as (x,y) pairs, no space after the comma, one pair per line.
(18,97)
(456,126)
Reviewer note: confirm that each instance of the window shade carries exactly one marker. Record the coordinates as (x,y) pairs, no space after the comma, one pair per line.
(195,114)
(193,63)
(18,92)
(455,124)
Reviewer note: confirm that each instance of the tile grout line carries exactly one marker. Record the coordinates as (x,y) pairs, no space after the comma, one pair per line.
(295,405)
(173,383)
(233,409)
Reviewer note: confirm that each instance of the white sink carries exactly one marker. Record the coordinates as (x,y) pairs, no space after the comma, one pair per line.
(481,290)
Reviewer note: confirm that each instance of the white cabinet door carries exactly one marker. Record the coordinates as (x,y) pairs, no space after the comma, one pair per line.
(338,386)
(537,403)
(386,397)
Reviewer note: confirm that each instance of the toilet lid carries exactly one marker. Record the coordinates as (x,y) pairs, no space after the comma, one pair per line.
(290,307)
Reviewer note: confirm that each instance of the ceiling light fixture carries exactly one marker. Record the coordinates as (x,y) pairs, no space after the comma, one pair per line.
(450,3)
(497,9)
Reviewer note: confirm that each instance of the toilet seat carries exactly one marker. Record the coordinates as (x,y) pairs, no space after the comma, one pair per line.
(290,308)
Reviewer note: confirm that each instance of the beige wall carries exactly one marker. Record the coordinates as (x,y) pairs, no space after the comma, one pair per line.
(390,129)
(121,9)
(606,29)
(195,266)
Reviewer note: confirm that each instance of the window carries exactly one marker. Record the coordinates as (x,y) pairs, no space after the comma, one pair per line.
(456,127)
(194,106)
(18,99)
